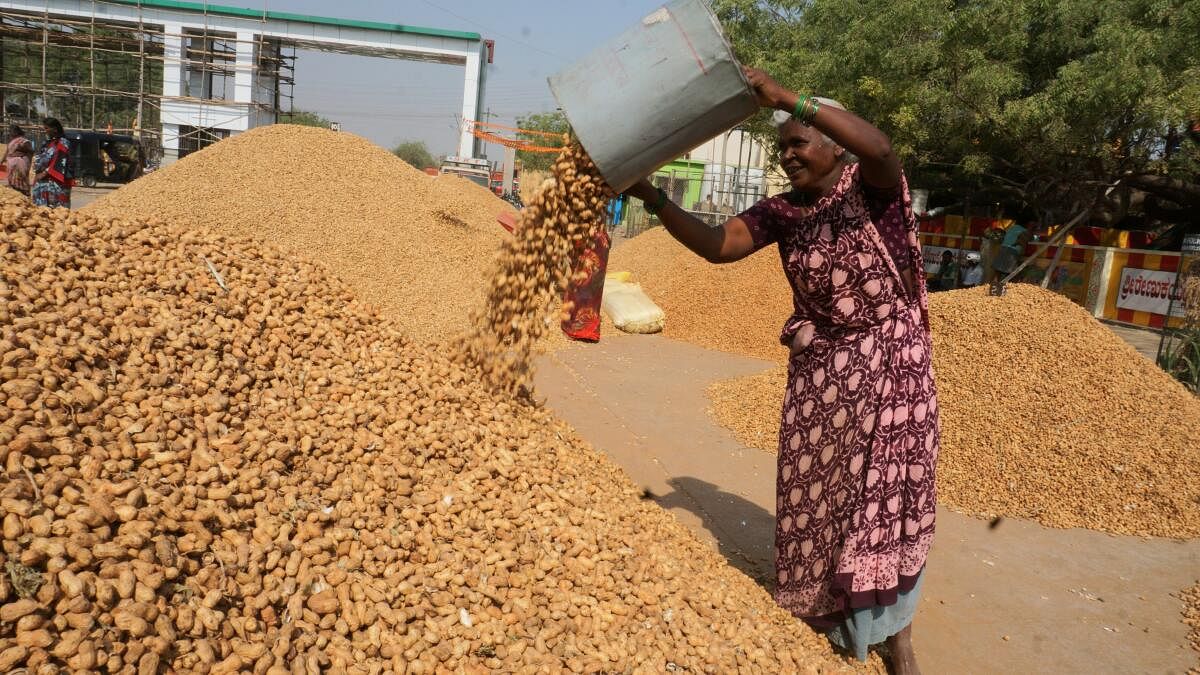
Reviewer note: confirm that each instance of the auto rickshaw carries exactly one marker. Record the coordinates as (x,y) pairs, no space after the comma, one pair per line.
(105,158)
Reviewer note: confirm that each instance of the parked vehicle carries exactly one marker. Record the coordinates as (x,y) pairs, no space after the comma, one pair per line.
(107,158)
(475,170)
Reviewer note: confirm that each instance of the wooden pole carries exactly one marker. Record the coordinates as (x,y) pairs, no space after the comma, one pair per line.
(92,63)
(1059,236)
(1053,263)
(45,41)
(140,121)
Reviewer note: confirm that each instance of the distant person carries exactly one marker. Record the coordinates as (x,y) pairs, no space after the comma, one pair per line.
(108,163)
(972,273)
(1012,249)
(947,274)
(20,154)
(52,180)
(616,209)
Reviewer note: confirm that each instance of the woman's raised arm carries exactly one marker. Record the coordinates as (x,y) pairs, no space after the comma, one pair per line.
(724,244)
(880,166)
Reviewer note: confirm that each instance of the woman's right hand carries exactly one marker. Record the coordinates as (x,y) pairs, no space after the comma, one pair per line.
(770,94)
(802,338)
(643,190)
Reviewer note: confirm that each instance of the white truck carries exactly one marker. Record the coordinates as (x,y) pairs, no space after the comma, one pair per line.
(475,170)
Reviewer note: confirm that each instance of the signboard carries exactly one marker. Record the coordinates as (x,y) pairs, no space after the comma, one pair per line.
(335,126)
(1148,291)
(932,256)
(1191,243)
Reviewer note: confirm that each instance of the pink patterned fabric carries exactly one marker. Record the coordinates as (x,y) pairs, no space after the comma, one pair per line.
(858,441)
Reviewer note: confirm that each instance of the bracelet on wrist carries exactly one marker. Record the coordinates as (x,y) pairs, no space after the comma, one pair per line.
(806,108)
(798,109)
(659,203)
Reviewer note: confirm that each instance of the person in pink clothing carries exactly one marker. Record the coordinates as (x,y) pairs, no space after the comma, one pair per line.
(859,435)
(20,154)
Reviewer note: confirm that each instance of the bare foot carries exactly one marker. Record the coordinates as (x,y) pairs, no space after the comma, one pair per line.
(904,661)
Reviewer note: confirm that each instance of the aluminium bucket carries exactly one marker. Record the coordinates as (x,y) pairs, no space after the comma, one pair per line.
(657,91)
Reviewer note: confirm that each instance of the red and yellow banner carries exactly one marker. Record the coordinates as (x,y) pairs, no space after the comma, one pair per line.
(1139,287)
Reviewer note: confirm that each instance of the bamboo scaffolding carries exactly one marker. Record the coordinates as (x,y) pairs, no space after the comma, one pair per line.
(95,40)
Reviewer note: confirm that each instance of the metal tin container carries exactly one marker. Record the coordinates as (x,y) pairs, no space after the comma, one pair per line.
(658,90)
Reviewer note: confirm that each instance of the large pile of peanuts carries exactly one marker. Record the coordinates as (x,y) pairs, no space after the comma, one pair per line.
(419,247)
(216,460)
(1046,414)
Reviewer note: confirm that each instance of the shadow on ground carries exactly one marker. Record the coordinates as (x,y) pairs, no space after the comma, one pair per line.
(729,518)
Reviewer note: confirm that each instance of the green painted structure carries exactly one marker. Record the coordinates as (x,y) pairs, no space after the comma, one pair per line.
(682,179)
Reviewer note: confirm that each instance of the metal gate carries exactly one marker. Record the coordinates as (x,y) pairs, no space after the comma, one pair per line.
(711,198)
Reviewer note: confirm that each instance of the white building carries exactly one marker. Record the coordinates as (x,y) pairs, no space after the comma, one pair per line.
(222,65)
(737,170)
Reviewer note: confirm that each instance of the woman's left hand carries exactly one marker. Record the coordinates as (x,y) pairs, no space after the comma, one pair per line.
(643,190)
(770,94)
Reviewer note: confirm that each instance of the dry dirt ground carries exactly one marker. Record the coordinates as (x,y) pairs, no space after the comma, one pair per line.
(1014,598)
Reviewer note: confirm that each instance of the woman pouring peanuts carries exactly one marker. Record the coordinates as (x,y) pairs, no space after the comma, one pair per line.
(858,438)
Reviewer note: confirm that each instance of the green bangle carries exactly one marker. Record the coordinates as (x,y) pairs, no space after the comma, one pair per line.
(662,201)
(799,110)
(806,108)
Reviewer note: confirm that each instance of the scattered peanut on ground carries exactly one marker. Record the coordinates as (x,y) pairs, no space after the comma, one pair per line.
(1191,617)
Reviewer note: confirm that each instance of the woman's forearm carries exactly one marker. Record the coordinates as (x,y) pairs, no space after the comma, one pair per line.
(727,243)
(695,234)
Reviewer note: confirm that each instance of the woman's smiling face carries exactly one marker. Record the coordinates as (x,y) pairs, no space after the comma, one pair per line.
(806,156)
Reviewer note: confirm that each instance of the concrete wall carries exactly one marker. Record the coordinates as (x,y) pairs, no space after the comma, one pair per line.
(1117,284)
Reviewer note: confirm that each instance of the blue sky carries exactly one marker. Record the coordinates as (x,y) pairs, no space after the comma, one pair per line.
(389,101)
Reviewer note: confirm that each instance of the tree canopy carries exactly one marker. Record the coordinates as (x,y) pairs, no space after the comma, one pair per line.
(415,153)
(304,118)
(1034,104)
(555,122)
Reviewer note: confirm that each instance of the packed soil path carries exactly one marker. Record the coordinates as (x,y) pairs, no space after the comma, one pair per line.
(1016,597)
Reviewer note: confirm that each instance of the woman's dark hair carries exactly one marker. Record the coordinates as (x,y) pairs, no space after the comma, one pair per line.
(15,130)
(55,125)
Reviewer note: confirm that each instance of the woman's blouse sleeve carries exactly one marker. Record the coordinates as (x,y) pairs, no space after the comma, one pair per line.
(762,220)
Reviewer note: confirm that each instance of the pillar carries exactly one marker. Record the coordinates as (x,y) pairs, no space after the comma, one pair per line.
(243,76)
(472,99)
(1098,281)
(510,164)
(172,86)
